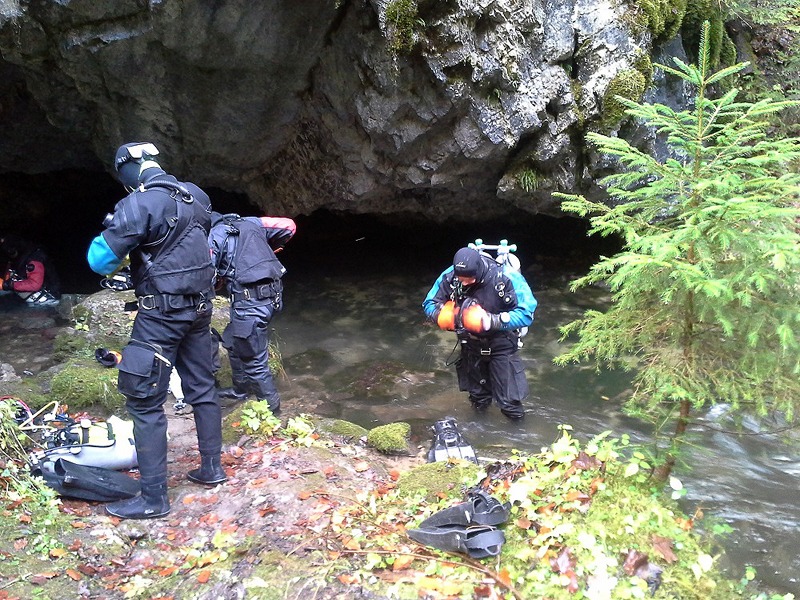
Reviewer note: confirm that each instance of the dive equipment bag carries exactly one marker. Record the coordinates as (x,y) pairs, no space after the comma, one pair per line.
(449,443)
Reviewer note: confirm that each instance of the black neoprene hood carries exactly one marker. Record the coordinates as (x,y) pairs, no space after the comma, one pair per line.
(467,262)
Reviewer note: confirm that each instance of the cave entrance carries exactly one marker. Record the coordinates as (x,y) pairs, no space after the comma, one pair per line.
(63,211)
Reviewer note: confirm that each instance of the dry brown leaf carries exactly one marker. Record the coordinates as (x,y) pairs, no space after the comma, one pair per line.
(663,546)
(73,574)
(203,576)
(402,562)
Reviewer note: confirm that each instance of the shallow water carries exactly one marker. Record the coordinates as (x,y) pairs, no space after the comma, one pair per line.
(353,325)
(356,346)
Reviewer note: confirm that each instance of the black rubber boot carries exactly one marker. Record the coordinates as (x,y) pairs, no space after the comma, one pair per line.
(150,504)
(210,471)
(274,404)
(232,393)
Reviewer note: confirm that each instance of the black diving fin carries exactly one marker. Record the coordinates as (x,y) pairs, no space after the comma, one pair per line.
(86,482)
(449,443)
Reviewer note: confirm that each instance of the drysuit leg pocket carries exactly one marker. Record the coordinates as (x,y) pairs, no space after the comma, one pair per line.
(241,338)
(139,371)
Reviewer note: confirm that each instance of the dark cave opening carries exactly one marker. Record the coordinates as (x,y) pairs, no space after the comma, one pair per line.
(63,211)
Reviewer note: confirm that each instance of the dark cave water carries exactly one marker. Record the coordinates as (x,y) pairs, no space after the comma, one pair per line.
(353,294)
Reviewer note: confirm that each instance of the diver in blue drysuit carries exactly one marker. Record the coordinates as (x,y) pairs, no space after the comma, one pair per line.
(486,307)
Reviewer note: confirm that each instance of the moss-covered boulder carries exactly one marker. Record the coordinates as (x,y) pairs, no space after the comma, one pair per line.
(83,385)
(432,480)
(344,429)
(390,439)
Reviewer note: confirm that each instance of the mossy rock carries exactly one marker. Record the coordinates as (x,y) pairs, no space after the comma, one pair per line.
(373,378)
(390,439)
(341,428)
(104,316)
(70,344)
(314,360)
(435,479)
(81,386)
(629,84)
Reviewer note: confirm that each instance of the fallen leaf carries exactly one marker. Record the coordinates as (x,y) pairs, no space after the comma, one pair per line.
(88,570)
(352,544)
(663,546)
(187,500)
(394,474)
(25,518)
(523,523)
(20,543)
(78,525)
(40,578)
(236,452)
(203,576)
(361,466)
(57,552)
(347,579)
(402,562)
(166,572)
(73,574)
(304,495)
(633,561)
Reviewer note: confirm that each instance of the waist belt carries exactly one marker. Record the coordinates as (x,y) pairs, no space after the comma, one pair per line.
(169,302)
(261,291)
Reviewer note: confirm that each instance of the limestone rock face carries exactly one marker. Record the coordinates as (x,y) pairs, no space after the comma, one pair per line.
(440,108)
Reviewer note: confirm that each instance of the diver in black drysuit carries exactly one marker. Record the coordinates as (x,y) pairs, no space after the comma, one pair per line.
(243,252)
(163,225)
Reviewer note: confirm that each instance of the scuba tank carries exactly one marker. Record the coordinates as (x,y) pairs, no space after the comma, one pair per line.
(503,257)
(108,445)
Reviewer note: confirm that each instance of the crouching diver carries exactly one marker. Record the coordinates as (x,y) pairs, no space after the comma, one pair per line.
(28,272)
(163,225)
(486,306)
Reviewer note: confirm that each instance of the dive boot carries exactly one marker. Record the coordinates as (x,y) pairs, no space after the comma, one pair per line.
(230,396)
(210,471)
(274,404)
(150,504)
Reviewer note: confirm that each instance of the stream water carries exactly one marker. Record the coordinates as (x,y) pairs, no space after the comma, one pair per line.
(356,346)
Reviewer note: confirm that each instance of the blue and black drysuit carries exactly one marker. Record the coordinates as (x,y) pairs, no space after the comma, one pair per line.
(165,232)
(243,252)
(489,367)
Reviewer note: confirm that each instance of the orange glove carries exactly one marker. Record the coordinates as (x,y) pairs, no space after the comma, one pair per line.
(473,318)
(447,316)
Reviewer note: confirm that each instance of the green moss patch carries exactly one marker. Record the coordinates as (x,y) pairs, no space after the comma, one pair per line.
(82,386)
(390,439)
